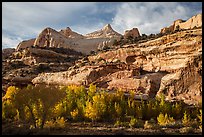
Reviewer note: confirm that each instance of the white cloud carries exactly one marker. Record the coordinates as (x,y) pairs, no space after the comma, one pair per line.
(28,19)
(10,42)
(149,17)
(25,20)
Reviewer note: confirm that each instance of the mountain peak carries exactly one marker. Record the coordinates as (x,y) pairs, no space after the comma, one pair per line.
(68,29)
(107,27)
(105,32)
(69,33)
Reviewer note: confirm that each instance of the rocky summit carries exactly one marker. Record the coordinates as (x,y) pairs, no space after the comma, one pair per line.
(168,63)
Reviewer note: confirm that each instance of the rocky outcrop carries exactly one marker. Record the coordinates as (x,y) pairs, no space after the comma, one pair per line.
(171,64)
(134,33)
(105,32)
(71,40)
(20,67)
(25,44)
(51,38)
(195,21)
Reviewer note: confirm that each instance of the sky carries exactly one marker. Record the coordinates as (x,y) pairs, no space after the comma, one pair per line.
(25,20)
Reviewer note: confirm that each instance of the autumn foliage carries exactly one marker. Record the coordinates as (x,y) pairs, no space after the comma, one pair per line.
(53,106)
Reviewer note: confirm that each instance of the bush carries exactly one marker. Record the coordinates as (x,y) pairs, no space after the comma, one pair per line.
(74,114)
(133,122)
(186,120)
(92,90)
(58,123)
(90,111)
(136,123)
(39,101)
(9,112)
(164,120)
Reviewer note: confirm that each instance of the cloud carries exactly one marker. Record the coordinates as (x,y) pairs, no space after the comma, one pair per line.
(25,20)
(34,16)
(10,42)
(149,17)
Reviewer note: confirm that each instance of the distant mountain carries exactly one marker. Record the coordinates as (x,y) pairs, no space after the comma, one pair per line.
(66,38)
(106,32)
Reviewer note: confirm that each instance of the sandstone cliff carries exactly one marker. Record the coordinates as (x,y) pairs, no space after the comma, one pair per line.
(72,40)
(195,21)
(171,65)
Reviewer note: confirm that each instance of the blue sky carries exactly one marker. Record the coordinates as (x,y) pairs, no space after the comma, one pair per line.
(25,20)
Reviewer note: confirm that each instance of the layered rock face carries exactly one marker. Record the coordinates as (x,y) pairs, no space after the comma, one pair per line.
(171,65)
(132,33)
(68,39)
(20,67)
(195,21)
